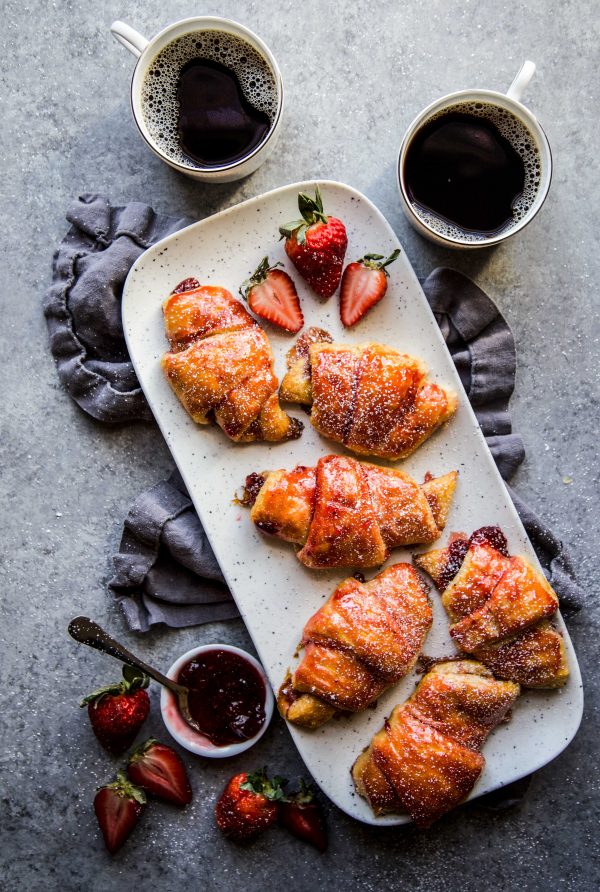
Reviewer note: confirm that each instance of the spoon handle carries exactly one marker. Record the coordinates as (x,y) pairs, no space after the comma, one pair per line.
(86,631)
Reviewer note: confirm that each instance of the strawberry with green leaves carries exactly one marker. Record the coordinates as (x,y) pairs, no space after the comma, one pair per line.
(118,711)
(364,283)
(249,805)
(118,808)
(316,244)
(158,769)
(303,817)
(272,295)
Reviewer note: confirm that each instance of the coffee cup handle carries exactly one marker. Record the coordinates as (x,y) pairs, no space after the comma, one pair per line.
(518,86)
(131,39)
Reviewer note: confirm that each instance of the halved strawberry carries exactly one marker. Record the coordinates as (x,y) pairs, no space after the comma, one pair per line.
(158,769)
(272,295)
(118,808)
(316,244)
(302,815)
(364,283)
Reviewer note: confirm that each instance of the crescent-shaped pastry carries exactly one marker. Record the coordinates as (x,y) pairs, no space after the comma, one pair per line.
(346,513)
(221,366)
(365,638)
(499,607)
(369,397)
(426,759)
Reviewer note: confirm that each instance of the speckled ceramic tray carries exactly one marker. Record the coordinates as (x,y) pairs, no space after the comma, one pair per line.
(275,593)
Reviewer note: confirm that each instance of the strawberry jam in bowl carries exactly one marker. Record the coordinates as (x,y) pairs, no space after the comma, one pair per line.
(230,698)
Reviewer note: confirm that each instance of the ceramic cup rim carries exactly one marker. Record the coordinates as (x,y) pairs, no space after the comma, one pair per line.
(208,749)
(491,97)
(189,26)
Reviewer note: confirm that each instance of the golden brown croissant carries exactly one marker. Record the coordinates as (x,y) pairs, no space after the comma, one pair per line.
(221,366)
(365,638)
(498,606)
(426,759)
(346,513)
(372,399)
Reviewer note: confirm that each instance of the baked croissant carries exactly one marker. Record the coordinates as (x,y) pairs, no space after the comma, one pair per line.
(499,608)
(221,366)
(426,759)
(365,638)
(372,399)
(346,513)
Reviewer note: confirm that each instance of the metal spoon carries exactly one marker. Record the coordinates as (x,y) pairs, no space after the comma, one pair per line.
(86,631)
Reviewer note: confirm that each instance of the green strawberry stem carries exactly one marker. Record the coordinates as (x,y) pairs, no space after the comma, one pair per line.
(259,275)
(372,260)
(312,212)
(139,751)
(304,796)
(258,782)
(125,789)
(133,679)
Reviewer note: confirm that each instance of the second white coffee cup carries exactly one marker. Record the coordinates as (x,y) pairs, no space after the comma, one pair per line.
(510,102)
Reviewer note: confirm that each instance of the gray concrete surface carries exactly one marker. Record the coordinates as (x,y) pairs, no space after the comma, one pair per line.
(355,75)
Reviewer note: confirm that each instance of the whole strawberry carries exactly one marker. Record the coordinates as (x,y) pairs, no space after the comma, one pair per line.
(303,817)
(158,769)
(316,245)
(118,808)
(364,283)
(248,805)
(272,295)
(118,711)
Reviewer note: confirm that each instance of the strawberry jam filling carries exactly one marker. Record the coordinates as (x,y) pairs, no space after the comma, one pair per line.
(227,696)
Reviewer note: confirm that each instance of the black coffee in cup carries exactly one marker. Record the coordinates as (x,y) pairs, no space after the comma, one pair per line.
(209,99)
(472,171)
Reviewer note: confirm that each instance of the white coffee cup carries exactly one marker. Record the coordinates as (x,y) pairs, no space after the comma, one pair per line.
(511,102)
(146,52)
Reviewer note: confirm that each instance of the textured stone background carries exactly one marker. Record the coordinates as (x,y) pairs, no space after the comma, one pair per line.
(355,74)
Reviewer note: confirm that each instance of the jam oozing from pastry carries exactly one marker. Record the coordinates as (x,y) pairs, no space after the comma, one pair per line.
(227,696)
(252,487)
(312,335)
(457,550)
(456,553)
(490,536)
(187,285)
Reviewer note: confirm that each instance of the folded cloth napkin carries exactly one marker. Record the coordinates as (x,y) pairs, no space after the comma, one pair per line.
(165,571)
(83,304)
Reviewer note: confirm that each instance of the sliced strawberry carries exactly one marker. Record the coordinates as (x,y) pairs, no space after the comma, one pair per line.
(158,769)
(118,808)
(316,244)
(272,295)
(303,817)
(364,283)
(118,711)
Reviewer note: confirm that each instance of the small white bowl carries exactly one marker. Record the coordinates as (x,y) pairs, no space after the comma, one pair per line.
(192,740)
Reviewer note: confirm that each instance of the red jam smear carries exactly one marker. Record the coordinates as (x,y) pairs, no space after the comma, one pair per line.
(457,551)
(186,285)
(227,696)
(490,536)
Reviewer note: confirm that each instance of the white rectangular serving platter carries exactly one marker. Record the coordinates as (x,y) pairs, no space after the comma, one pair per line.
(274,592)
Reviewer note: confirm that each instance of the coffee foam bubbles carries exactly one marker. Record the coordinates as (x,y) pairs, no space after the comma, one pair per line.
(160,107)
(512,129)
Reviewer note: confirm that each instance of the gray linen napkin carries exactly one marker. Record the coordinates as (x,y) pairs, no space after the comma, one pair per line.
(83,304)
(165,571)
